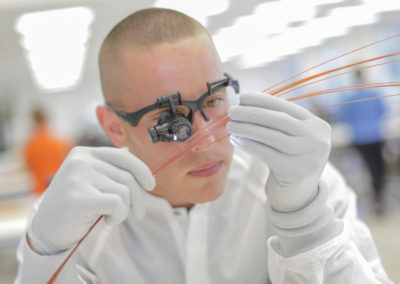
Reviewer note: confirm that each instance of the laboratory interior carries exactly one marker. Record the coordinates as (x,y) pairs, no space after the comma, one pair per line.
(49,75)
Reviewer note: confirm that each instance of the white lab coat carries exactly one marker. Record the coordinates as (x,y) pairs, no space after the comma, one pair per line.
(230,240)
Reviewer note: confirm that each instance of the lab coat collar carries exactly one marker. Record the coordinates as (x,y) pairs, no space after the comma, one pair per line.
(162,206)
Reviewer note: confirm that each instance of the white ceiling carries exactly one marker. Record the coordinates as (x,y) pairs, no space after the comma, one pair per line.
(15,76)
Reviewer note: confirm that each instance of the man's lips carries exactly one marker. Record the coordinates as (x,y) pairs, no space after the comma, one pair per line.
(207,169)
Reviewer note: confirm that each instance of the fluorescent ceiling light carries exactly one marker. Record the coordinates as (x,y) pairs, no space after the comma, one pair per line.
(269,21)
(269,34)
(55,45)
(199,10)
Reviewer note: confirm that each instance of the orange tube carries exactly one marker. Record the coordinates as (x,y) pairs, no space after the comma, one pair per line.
(354,101)
(323,79)
(348,88)
(288,86)
(330,60)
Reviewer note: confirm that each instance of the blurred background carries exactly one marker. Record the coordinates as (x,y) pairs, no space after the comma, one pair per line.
(49,89)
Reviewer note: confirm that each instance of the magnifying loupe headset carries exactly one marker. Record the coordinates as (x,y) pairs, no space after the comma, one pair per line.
(175,125)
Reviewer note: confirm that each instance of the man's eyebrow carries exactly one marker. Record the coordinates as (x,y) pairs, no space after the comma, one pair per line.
(219,92)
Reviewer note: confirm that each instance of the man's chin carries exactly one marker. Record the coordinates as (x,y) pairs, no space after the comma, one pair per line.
(211,191)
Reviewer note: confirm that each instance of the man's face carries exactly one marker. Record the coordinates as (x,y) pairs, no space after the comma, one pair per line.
(185,66)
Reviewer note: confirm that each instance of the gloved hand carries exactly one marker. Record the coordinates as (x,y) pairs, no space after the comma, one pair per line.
(294,143)
(91,182)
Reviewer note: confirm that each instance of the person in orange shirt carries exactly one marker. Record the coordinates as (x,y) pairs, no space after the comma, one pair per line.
(44,152)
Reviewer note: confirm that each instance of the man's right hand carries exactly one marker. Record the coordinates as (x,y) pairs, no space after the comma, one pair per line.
(91,182)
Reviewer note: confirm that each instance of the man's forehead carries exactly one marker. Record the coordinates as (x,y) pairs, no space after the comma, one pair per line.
(169,58)
(164,69)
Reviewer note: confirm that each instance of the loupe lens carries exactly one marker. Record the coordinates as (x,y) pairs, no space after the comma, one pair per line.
(170,129)
(181,129)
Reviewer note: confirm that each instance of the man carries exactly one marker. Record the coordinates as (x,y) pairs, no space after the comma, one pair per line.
(205,219)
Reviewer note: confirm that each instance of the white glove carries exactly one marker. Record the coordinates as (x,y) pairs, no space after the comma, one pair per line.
(91,182)
(293,142)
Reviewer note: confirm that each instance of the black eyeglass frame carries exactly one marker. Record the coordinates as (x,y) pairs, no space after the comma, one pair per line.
(133,118)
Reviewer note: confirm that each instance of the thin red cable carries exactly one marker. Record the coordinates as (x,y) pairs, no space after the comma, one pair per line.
(55,275)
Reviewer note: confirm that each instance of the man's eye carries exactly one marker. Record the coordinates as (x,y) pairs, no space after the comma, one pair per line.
(155,117)
(213,102)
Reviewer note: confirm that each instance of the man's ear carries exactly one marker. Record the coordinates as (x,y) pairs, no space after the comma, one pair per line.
(112,126)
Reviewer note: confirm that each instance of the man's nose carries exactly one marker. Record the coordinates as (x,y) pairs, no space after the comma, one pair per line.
(199,123)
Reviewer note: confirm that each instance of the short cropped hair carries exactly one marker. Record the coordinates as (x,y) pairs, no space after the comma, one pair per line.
(144,29)
(152,26)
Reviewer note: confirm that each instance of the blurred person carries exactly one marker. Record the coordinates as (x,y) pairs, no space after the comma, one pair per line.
(217,215)
(44,152)
(365,120)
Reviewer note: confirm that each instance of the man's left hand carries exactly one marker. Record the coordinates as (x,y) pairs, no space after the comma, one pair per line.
(293,142)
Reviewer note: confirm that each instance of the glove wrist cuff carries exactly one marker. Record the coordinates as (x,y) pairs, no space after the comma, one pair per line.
(38,245)
(302,217)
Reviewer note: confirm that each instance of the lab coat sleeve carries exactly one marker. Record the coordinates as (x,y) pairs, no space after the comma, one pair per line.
(324,242)
(36,268)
